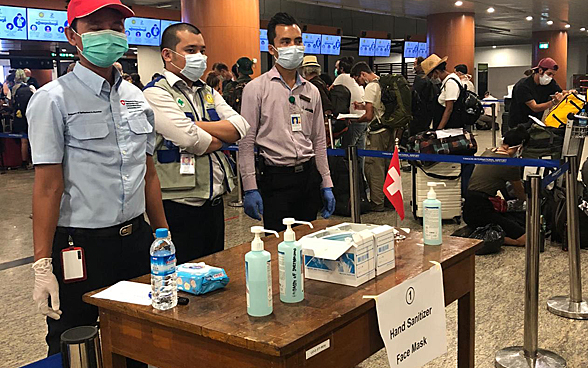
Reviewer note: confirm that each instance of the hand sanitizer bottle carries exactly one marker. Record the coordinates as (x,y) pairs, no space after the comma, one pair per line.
(290,261)
(432,233)
(258,276)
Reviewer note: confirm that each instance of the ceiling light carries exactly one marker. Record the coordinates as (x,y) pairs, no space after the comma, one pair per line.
(582,29)
(458,3)
(494,46)
(490,10)
(567,26)
(529,18)
(549,22)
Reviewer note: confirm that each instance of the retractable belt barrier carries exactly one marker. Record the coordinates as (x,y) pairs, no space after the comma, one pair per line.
(11,135)
(560,168)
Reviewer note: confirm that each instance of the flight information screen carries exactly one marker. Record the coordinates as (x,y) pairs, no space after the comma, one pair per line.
(263,41)
(330,45)
(13,23)
(46,25)
(312,43)
(143,31)
(165,24)
(411,49)
(367,47)
(383,48)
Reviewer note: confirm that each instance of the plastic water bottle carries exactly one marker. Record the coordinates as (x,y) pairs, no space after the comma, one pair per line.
(164,292)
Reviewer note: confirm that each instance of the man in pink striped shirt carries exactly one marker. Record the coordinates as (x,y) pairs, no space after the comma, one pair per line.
(289,176)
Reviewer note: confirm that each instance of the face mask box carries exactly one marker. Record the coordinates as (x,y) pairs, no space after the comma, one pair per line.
(384,236)
(339,257)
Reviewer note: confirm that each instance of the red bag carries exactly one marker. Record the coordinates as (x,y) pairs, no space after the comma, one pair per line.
(10,156)
(499,204)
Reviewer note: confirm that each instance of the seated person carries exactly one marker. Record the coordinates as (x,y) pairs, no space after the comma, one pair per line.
(487,180)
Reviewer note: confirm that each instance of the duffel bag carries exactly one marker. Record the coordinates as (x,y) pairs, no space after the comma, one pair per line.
(457,144)
(558,116)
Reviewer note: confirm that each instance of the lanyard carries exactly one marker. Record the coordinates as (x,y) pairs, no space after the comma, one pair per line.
(194,107)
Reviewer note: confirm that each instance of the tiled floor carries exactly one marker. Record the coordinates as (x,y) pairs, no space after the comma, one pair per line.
(499,287)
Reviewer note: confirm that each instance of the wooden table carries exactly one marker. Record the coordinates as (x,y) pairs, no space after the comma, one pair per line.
(215,330)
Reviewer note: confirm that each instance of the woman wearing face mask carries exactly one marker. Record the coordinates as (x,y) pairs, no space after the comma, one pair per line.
(534,94)
(487,180)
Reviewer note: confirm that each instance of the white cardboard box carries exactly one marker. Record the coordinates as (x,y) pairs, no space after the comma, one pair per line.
(369,252)
(348,261)
(383,246)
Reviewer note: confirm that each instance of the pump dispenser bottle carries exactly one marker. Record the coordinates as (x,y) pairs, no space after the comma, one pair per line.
(432,217)
(290,261)
(258,276)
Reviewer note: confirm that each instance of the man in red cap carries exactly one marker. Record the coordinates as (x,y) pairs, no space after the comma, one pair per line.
(534,94)
(92,143)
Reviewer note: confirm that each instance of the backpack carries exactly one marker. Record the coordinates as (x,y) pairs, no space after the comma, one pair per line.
(397,100)
(235,95)
(341,99)
(544,141)
(21,100)
(467,107)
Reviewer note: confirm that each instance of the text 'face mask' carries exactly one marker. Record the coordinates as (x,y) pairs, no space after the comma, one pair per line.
(195,65)
(103,48)
(290,57)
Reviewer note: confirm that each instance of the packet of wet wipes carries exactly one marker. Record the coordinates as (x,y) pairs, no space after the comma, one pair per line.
(200,278)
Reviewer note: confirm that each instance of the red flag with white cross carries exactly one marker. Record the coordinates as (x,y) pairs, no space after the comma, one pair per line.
(393,185)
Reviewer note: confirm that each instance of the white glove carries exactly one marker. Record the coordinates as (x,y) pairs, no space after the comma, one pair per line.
(46,285)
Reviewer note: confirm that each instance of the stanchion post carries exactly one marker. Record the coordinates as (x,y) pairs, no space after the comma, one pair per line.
(494,125)
(354,184)
(529,355)
(573,306)
(239,201)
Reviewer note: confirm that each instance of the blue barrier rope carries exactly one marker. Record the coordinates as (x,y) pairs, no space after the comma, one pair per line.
(441,158)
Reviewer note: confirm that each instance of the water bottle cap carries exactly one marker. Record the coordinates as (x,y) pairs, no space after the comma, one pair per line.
(161,233)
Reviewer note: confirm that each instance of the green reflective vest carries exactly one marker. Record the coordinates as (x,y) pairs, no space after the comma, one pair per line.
(167,155)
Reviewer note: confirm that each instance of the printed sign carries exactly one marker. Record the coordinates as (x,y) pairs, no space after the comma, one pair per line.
(13,23)
(47,25)
(411,317)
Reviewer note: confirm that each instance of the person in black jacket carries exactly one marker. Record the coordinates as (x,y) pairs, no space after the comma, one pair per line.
(423,98)
(311,71)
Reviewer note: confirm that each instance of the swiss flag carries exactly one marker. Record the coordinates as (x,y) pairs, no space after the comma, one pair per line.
(393,185)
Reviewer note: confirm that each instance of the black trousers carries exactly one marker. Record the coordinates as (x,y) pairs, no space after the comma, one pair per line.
(196,231)
(289,194)
(109,259)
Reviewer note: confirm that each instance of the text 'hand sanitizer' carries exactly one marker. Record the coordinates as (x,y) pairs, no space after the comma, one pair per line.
(258,276)
(432,233)
(290,261)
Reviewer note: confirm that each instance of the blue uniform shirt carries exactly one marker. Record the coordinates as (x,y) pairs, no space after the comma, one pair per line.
(101,135)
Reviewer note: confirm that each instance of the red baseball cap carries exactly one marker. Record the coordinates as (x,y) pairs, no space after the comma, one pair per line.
(547,63)
(82,8)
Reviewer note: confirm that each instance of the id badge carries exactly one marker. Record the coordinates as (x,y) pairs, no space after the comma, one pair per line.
(296,122)
(73,264)
(187,164)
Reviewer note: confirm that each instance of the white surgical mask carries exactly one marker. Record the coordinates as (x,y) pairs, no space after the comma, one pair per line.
(195,65)
(290,57)
(545,79)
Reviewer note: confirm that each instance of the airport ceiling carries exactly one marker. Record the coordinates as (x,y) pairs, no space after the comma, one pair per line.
(508,23)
